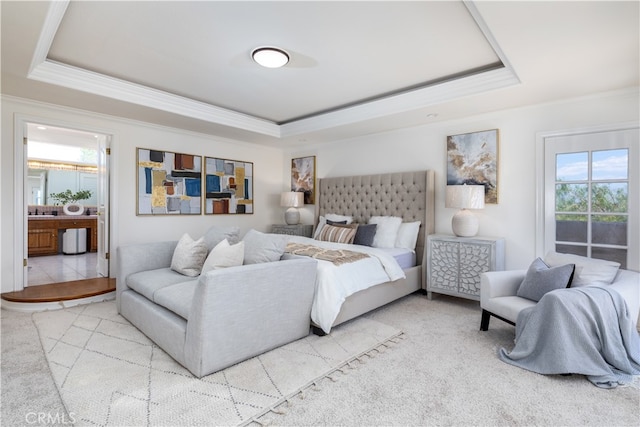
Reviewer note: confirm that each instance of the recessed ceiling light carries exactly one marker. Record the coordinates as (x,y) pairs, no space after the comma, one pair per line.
(270,57)
(41,127)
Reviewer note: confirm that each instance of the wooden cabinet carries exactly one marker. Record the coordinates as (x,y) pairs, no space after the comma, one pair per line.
(43,241)
(454,264)
(43,233)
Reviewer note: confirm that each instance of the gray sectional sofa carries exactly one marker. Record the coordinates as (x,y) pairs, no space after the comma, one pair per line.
(220,318)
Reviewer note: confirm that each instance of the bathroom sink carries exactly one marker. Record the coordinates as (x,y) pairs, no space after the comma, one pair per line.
(42,216)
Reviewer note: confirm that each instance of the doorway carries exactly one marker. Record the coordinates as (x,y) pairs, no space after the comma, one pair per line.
(66,204)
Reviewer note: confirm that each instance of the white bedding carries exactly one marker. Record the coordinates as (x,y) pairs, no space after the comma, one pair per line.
(335,283)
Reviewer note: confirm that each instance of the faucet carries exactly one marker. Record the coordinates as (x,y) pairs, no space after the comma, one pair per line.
(36,211)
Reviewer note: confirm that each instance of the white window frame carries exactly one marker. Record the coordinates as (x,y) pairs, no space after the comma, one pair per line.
(543,245)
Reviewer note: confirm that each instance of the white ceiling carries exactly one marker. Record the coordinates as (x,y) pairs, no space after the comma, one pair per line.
(356,67)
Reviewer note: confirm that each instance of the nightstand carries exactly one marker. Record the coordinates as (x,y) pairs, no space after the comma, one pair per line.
(304,230)
(454,264)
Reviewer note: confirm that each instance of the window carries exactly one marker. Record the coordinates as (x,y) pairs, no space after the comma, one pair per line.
(591,192)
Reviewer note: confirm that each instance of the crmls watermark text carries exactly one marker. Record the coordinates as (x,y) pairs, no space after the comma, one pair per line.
(48,418)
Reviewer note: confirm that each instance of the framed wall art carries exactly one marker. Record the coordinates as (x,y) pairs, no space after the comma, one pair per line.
(168,183)
(228,186)
(303,177)
(472,159)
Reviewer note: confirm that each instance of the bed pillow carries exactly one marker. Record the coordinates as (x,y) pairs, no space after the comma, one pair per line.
(261,247)
(541,278)
(589,271)
(387,230)
(322,220)
(408,235)
(224,255)
(217,233)
(365,234)
(189,255)
(338,233)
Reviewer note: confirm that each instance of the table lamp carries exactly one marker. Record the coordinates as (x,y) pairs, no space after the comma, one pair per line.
(292,200)
(464,223)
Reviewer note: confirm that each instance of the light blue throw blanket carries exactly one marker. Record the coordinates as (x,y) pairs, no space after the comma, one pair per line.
(585,330)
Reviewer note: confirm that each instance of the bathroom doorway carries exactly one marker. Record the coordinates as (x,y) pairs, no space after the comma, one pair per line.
(66,204)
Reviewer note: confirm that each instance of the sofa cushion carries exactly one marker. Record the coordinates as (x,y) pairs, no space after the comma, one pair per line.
(260,247)
(224,255)
(189,256)
(177,298)
(148,282)
(217,233)
(589,271)
(541,278)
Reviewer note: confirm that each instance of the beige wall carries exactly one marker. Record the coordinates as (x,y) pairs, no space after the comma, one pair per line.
(424,147)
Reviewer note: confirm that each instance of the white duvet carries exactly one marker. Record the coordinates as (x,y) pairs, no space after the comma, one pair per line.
(335,283)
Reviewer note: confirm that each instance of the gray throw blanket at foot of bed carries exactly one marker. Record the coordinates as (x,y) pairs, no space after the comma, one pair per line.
(584,330)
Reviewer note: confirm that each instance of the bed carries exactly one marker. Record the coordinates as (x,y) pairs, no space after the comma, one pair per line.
(409,195)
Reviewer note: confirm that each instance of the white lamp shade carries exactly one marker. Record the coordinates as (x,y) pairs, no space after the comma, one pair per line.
(465,196)
(292,199)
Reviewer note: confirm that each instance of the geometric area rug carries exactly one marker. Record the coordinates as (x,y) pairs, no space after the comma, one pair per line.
(110,374)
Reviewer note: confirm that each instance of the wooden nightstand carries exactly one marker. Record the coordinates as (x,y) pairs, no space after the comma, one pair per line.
(454,264)
(304,230)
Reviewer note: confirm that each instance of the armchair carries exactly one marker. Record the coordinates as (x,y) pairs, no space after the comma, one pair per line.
(498,292)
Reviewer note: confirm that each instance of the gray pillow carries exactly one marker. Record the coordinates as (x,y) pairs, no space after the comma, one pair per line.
(365,234)
(218,233)
(260,247)
(541,278)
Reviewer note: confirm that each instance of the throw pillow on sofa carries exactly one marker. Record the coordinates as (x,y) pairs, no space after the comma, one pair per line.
(541,278)
(589,271)
(217,233)
(224,255)
(189,256)
(261,247)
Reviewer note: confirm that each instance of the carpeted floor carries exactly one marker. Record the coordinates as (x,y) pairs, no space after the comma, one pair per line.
(445,372)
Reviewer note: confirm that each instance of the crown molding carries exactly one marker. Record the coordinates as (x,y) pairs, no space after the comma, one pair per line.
(59,74)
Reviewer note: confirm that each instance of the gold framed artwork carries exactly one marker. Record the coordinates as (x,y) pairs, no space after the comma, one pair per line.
(228,186)
(168,183)
(303,177)
(472,159)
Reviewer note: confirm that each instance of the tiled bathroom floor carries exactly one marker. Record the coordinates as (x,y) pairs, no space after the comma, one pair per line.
(43,270)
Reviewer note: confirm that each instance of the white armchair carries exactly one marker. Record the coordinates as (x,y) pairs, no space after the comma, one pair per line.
(498,294)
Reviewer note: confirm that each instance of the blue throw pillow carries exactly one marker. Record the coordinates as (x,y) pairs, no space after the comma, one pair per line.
(541,278)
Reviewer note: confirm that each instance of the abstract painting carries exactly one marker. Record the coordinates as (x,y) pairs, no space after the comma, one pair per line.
(168,183)
(228,186)
(472,159)
(303,177)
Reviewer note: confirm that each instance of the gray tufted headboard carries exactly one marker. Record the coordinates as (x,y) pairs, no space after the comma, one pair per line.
(409,195)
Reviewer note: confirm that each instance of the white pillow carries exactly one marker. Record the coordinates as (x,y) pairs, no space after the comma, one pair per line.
(386,231)
(408,235)
(322,220)
(589,271)
(224,255)
(189,255)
